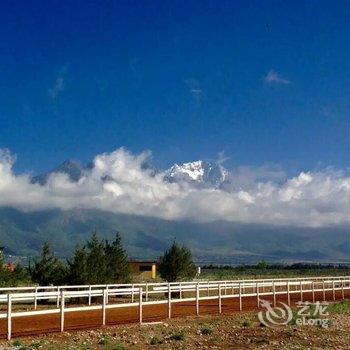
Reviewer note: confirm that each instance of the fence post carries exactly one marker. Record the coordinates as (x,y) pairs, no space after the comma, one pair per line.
(107,294)
(9,319)
(104,302)
(219,297)
(301,291)
(197,299)
(146,291)
(240,297)
(313,292)
(257,293)
(169,301)
(274,293)
(132,293)
(208,291)
(180,290)
(140,304)
(225,288)
(58,297)
(36,298)
(324,291)
(342,289)
(333,290)
(89,295)
(288,293)
(62,310)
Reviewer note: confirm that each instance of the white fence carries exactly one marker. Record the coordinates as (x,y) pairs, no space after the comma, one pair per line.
(142,294)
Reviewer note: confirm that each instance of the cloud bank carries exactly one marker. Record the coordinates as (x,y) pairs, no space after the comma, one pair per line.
(119,182)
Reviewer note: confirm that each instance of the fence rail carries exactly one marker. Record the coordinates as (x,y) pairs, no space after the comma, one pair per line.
(143,294)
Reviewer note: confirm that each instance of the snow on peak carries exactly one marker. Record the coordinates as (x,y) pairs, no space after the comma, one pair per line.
(200,172)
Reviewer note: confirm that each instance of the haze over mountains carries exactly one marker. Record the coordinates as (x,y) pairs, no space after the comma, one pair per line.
(224,216)
(221,242)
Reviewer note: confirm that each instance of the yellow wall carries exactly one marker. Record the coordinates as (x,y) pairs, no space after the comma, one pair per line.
(154,272)
(135,268)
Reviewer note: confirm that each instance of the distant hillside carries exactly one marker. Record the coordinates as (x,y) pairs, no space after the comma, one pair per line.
(217,242)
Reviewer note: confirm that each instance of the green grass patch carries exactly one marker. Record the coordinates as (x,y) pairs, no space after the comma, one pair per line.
(155,340)
(117,347)
(104,340)
(17,342)
(206,330)
(247,323)
(339,308)
(178,335)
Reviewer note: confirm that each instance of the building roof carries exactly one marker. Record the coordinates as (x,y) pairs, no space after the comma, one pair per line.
(143,261)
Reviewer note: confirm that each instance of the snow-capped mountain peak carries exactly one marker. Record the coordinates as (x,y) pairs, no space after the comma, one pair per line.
(199,172)
(194,170)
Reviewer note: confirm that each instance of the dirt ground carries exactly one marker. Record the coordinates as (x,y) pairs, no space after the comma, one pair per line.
(39,324)
(233,330)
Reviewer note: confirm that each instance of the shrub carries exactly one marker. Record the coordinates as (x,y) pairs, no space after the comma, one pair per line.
(155,340)
(246,323)
(178,335)
(17,342)
(206,330)
(104,340)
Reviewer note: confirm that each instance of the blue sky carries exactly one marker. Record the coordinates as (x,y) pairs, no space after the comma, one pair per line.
(263,82)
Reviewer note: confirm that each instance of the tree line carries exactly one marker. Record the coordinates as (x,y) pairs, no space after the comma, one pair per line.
(98,261)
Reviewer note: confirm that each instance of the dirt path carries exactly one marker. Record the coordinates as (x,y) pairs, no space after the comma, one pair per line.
(40,324)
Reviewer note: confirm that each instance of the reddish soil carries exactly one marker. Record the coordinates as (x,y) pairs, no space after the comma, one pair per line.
(24,326)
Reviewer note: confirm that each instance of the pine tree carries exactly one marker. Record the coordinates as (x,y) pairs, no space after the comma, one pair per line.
(118,268)
(99,262)
(96,264)
(176,264)
(78,273)
(4,273)
(48,269)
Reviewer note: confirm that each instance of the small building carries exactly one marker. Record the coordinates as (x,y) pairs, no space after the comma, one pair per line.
(10,266)
(147,269)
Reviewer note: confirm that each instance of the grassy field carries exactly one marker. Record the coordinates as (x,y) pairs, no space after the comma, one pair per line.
(235,331)
(275,271)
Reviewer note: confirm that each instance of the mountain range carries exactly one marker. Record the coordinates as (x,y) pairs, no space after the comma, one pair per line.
(198,173)
(221,242)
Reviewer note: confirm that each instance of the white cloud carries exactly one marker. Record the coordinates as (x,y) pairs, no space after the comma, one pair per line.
(59,84)
(57,88)
(272,77)
(197,92)
(118,182)
(195,89)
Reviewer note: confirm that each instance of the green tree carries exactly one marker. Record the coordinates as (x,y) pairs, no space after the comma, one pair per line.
(176,264)
(78,273)
(262,265)
(99,262)
(118,268)
(48,269)
(96,264)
